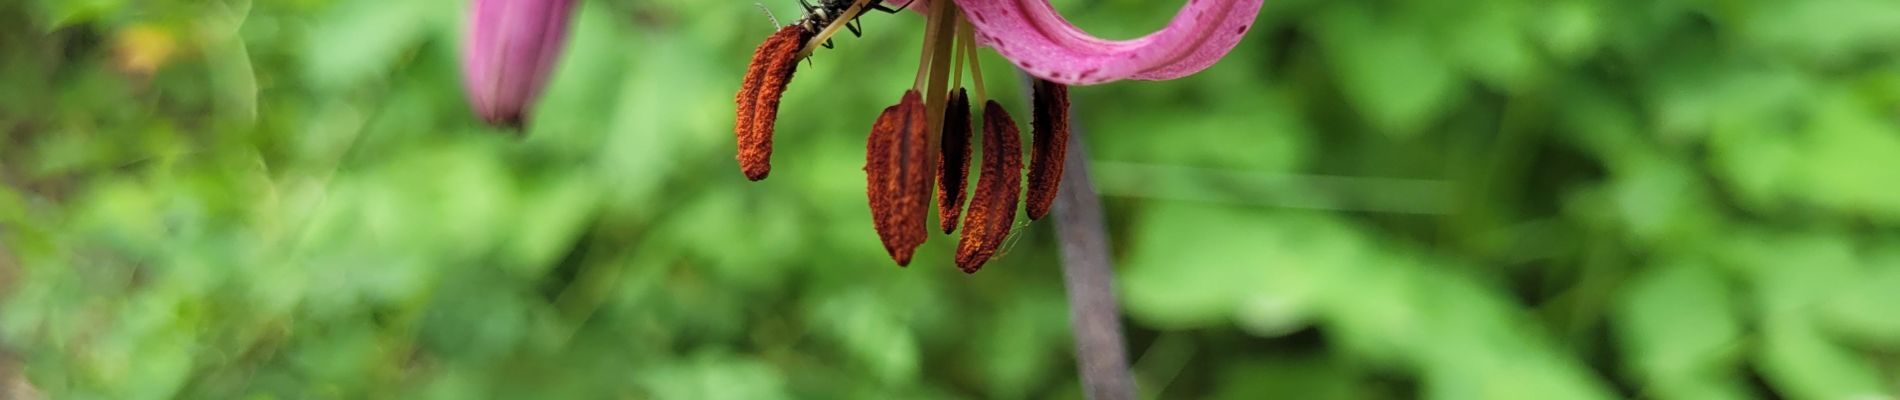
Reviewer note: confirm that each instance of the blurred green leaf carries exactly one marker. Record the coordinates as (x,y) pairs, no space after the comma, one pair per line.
(360,39)
(1679,325)
(1302,377)
(715,376)
(1862,309)
(863,327)
(1798,361)
(1388,67)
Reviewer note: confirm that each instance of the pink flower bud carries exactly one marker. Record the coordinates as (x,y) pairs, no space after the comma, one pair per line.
(509,50)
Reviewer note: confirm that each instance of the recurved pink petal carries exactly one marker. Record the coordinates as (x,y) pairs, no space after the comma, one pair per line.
(1032,35)
(509,49)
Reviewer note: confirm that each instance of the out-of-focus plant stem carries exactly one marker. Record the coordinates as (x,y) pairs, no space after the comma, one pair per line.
(1089,280)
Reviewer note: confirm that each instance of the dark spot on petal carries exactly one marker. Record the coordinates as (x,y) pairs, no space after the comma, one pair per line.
(1243,29)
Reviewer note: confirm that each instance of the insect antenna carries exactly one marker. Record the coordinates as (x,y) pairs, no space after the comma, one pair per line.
(1015,235)
(768,14)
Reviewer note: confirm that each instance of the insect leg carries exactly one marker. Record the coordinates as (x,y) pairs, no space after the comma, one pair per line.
(881,7)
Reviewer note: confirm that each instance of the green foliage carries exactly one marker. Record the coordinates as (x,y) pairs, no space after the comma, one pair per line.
(1496,199)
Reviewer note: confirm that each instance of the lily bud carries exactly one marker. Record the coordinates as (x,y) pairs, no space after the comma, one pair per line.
(508,51)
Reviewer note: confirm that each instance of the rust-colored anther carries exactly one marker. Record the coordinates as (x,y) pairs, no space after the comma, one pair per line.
(953,167)
(896,164)
(772,67)
(993,207)
(1051,127)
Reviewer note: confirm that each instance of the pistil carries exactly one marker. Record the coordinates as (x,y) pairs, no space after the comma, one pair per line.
(943,25)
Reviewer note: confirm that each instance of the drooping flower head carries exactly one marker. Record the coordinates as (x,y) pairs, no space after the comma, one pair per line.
(923,142)
(1036,38)
(508,51)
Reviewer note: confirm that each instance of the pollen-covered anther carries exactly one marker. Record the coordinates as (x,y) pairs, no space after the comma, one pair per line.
(993,208)
(899,172)
(953,165)
(1051,130)
(765,79)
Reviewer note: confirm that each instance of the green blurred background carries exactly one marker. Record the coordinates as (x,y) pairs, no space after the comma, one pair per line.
(1369,199)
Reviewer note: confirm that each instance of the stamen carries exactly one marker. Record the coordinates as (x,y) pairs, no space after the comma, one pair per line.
(953,166)
(771,70)
(993,207)
(1051,125)
(940,39)
(966,38)
(956,72)
(1051,145)
(899,177)
(954,161)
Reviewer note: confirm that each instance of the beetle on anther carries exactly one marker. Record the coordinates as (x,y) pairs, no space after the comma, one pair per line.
(826,12)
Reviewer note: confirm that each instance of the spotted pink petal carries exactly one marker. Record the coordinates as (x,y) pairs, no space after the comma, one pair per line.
(1032,35)
(509,50)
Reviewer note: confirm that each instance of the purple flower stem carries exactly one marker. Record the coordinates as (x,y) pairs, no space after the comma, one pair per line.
(1101,357)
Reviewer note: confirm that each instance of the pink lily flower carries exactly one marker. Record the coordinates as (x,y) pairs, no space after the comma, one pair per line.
(510,48)
(1032,35)
(923,143)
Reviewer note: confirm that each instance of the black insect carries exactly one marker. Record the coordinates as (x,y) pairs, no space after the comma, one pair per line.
(827,12)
